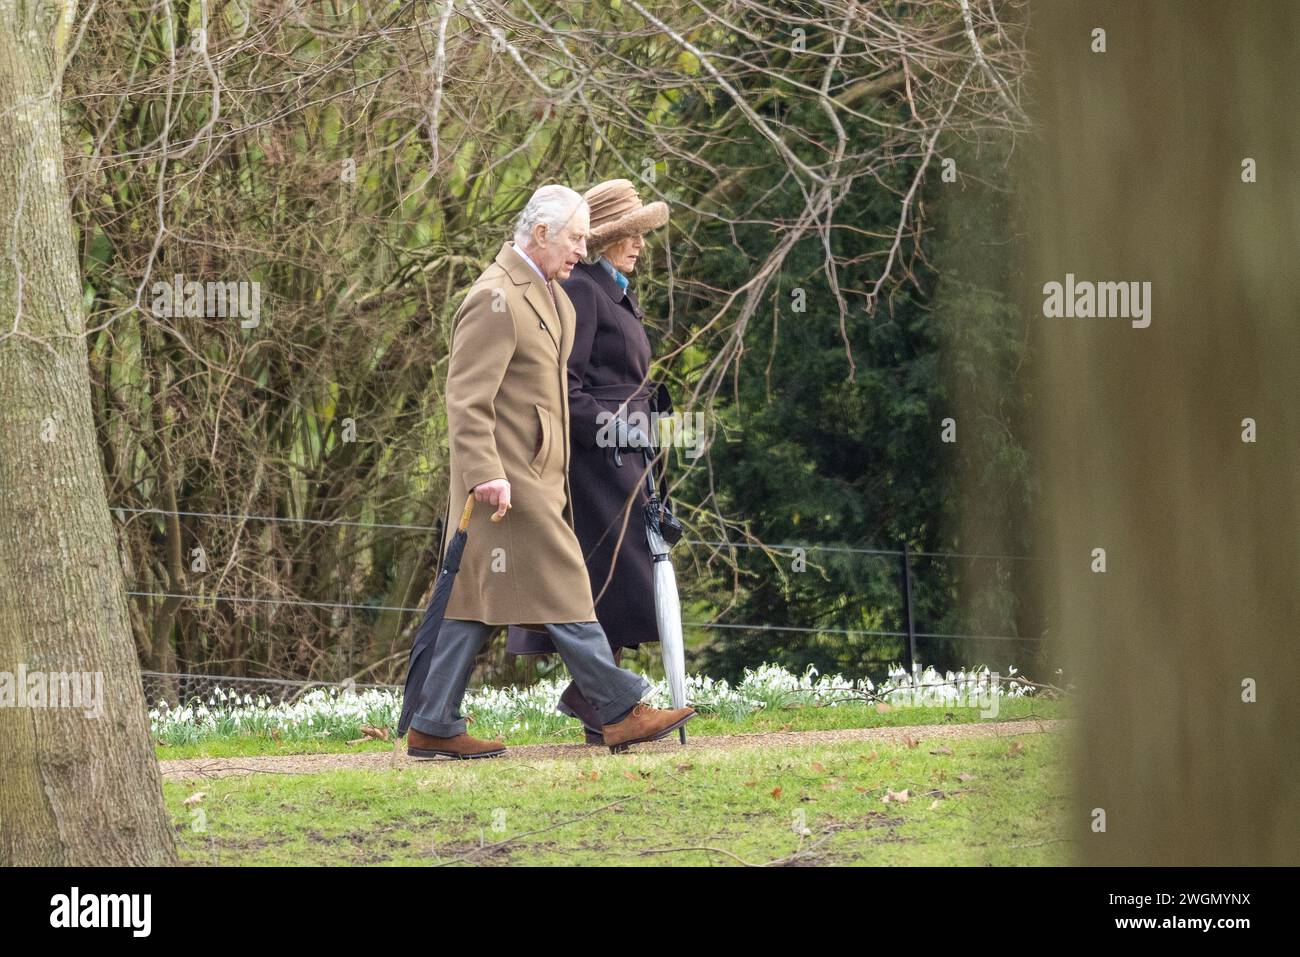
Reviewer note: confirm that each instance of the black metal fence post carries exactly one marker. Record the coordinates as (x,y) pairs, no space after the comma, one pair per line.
(907,607)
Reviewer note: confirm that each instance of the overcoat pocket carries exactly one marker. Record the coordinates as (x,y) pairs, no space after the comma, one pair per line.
(543,454)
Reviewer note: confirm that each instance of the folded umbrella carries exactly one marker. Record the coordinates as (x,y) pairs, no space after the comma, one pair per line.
(427,636)
(662,530)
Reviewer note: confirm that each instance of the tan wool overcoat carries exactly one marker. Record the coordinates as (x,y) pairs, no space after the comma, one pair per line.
(508,417)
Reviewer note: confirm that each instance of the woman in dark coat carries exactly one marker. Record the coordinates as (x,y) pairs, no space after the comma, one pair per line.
(611,401)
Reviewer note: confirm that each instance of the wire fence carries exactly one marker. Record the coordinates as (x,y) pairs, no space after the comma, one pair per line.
(174,688)
(736,626)
(905,557)
(790,548)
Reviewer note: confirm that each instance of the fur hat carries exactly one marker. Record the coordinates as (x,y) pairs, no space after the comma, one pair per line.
(616,213)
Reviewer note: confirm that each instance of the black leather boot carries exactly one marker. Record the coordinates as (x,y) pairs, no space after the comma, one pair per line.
(575,705)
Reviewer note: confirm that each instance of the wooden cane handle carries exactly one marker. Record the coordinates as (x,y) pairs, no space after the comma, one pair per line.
(469,509)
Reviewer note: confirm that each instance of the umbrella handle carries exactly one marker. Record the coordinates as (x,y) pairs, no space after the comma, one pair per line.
(469,509)
(649,473)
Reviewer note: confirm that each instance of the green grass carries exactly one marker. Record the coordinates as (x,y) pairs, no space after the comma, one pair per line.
(970,807)
(784,719)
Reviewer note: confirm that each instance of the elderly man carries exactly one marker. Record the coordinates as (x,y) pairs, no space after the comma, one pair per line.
(508,415)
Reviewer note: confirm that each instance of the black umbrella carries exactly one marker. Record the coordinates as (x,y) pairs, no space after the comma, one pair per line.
(422,647)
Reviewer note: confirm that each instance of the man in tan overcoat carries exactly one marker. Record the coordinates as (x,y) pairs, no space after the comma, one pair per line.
(508,418)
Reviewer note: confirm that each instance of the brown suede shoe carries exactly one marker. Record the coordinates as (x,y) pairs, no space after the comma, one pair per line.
(421,745)
(644,724)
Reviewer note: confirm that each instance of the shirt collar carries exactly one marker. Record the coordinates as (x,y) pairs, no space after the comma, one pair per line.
(528,259)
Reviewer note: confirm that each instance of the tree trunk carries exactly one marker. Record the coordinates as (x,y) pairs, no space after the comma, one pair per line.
(1183,648)
(75,788)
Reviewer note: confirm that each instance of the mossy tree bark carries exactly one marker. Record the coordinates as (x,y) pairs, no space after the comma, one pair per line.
(76,787)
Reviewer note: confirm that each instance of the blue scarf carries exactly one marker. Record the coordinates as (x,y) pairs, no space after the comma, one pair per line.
(618,276)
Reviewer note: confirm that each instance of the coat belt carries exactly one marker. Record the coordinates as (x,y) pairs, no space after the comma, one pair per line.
(619,393)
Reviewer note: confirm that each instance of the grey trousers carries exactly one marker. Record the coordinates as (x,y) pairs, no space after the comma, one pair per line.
(582,645)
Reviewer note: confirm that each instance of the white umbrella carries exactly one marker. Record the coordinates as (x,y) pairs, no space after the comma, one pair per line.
(662,531)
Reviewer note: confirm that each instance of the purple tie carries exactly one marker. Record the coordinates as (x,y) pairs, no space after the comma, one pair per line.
(551,290)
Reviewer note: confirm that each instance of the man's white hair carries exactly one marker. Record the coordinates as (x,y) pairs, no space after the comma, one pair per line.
(552,205)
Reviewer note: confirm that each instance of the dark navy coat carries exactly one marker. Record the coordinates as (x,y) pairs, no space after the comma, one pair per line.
(608,369)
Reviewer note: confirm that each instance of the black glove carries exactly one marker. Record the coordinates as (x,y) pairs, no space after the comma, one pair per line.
(629,436)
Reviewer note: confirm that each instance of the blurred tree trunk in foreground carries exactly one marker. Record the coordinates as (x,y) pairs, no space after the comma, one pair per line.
(78,786)
(1140,178)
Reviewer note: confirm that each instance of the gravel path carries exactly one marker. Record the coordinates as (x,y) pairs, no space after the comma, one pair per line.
(198,768)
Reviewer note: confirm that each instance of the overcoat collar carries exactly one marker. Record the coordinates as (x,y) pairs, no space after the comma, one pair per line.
(522,274)
(609,286)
